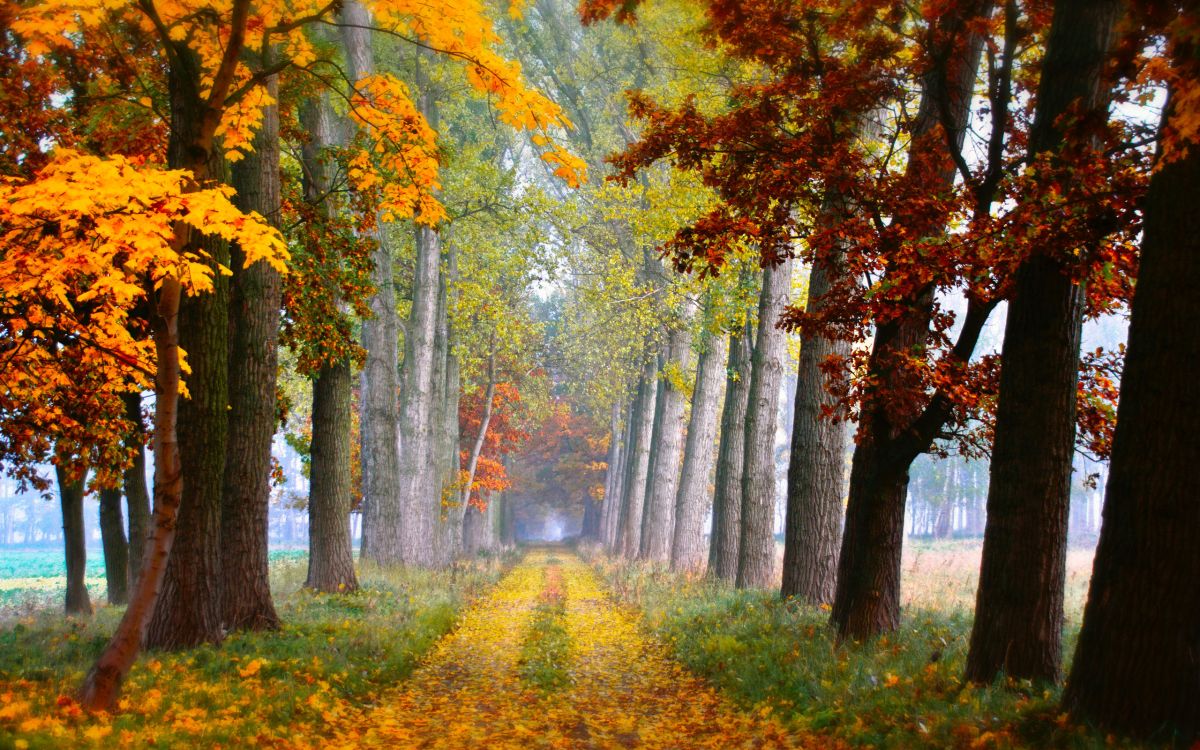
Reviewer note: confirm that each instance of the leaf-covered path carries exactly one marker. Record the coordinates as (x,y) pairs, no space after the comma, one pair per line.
(549,661)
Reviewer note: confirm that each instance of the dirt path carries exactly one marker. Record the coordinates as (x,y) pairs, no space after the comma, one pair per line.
(499,681)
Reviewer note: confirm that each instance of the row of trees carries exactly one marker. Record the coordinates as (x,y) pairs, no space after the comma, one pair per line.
(906,153)
(194,184)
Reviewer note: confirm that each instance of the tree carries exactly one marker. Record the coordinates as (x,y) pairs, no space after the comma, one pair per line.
(255,298)
(1019,610)
(1137,666)
(756,544)
(71,492)
(114,545)
(662,480)
(727,500)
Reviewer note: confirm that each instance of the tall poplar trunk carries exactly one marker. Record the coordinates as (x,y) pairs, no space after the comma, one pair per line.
(638,467)
(816,470)
(731,456)
(417,544)
(756,545)
(137,496)
(692,501)
(612,527)
(116,548)
(190,147)
(658,522)
(382,504)
(256,296)
(867,595)
(450,462)
(70,493)
(1137,667)
(330,555)
(188,610)
(1019,607)
(613,466)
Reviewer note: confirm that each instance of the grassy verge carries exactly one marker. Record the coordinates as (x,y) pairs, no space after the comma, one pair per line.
(900,691)
(334,656)
(545,649)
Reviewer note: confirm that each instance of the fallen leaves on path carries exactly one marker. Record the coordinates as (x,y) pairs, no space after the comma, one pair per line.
(623,691)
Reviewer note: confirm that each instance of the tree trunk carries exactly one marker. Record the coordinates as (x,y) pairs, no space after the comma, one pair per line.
(638,466)
(1019,606)
(756,546)
(444,429)
(190,147)
(612,528)
(382,501)
(137,496)
(188,610)
(330,555)
(330,560)
(867,596)
(816,469)
(731,456)
(1137,667)
(688,553)
(417,544)
(70,493)
(610,474)
(256,296)
(658,521)
(116,548)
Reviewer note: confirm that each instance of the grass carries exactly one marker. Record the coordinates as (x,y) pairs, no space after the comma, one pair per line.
(334,655)
(545,650)
(903,690)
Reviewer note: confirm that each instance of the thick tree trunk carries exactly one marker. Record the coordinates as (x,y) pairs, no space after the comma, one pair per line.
(612,524)
(638,467)
(816,469)
(330,561)
(137,496)
(658,522)
(190,147)
(478,533)
(382,503)
(418,505)
(330,555)
(256,296)
(449,462)
(756,547)
(1019,607)
(70,493)
(867,596)
(731,456)
(188,610)
(116,548)
(692,501)
(1137,667)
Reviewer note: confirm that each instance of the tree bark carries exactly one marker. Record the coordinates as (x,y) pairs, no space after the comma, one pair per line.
(188,610)
(417,544)
(756,545)
(330,560)
(612,527)
(688,553)
(116,548)
(382,499)
(256,296)
(658,522)
(816,469)
(638,467)
(330,555)
(70,493)
(731,457)
(190,147)
(137,496)
(477,448)
(1019,606)
(1137,667)
(867,595)
(608,504)
(450,462)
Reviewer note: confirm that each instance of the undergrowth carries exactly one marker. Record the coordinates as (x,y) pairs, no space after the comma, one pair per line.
(903,690)
(335,653)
